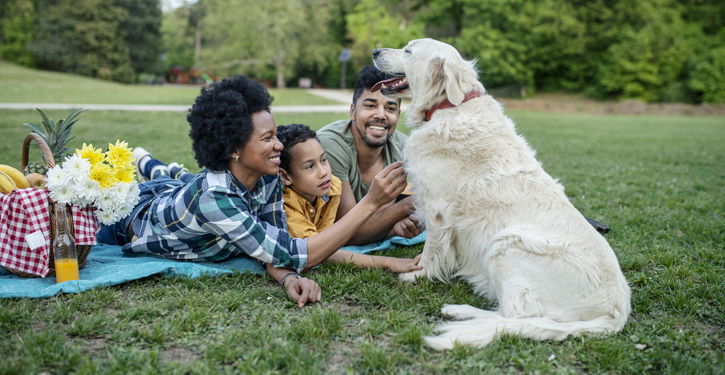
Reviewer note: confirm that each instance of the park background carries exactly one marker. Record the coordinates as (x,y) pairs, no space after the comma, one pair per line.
(652,50)
(623,103)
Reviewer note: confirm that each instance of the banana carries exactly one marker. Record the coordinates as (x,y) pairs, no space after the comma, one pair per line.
(6,183)
(20,181)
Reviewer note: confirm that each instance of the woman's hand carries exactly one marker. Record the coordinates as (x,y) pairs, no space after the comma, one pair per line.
(303,290)
(388,184)
(402,265)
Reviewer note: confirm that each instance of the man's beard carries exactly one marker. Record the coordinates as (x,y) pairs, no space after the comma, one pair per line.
(372,142)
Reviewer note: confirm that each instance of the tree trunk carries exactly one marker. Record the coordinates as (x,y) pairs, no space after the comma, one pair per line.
(197,44)
(279,65)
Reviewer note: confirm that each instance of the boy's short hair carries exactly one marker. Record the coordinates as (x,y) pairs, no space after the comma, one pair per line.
(291,135)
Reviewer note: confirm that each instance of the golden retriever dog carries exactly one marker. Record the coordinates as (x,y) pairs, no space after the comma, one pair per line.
(493,216)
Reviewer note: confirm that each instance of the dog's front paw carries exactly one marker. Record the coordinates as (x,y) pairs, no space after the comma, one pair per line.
(411,277)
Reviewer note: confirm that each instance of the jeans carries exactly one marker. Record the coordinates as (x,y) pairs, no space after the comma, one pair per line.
(117,234)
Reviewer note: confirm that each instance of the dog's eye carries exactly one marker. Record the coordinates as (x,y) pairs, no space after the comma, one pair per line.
(407,50)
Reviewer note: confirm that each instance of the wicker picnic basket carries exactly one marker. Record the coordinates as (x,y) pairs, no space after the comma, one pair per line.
(83,250)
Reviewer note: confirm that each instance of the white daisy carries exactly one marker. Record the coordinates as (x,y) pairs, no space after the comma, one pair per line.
(77,167)
(106,217)
(57,177)
(62,195)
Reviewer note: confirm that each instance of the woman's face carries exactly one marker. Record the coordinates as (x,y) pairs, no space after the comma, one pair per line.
(260,156)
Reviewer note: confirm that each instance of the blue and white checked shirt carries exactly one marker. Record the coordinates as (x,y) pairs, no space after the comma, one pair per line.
(214,217)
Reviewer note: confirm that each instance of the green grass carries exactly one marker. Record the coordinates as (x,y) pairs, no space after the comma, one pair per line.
(23,85)
(657,181)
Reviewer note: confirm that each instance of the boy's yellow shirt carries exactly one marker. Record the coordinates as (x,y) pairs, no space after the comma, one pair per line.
(304,220)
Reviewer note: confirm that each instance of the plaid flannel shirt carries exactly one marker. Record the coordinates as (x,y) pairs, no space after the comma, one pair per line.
(214,217)
(25,230)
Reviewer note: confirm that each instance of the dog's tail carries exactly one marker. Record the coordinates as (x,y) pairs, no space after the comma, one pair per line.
(488,325)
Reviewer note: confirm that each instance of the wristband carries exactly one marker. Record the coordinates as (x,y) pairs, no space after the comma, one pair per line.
(295,274)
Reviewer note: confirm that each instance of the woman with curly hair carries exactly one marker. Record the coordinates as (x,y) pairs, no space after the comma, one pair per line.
(234,206)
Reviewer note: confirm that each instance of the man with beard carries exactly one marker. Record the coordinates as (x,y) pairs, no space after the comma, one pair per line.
(359,148)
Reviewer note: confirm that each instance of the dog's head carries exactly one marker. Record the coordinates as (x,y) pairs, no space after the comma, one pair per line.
(428,70)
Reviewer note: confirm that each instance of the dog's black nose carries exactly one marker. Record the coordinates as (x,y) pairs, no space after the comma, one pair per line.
(376,51)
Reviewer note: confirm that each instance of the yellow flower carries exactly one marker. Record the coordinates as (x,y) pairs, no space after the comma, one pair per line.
(125,174)
(102,173)
(119,154)
(94,156)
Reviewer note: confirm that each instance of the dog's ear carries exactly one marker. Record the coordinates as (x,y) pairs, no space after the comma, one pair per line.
(453,76)
(436,78)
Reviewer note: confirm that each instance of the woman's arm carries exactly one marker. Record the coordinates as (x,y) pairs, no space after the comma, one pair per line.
(386,185)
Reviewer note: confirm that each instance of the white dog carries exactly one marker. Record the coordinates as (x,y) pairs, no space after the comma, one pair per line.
(493,216)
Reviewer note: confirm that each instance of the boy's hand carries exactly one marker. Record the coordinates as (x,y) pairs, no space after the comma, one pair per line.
(388,184)
(407,228)
(402,265)
(303,290)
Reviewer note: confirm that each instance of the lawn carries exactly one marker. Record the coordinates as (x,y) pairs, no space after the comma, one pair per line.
(659,182)
(23,85)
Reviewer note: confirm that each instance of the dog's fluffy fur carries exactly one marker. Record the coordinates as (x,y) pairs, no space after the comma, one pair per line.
(493,216)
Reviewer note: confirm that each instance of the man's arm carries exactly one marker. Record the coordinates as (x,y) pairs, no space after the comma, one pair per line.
(382,221)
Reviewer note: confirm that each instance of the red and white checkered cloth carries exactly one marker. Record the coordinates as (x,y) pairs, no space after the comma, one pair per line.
(25,230)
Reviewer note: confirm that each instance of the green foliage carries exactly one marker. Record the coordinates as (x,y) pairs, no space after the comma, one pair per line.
(16,28)
(178,38)
(371,25)
(109,39)
(708,71)
(83,37)
(644,61)
(250,37)
(142,26)
(652,50)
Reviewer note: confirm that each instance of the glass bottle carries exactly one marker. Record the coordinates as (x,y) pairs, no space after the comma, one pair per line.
(64,248)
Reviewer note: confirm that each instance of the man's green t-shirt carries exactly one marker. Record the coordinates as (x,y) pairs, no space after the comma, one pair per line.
(339,144)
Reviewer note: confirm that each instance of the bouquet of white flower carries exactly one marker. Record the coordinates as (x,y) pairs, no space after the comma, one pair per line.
(104,180)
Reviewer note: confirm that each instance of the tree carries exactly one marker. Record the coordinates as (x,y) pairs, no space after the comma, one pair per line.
(17,30)
(142,26)
(247,36)
(371,25)
(83,37)
(178,38)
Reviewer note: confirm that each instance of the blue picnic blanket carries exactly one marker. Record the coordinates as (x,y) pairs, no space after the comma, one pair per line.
(108,265)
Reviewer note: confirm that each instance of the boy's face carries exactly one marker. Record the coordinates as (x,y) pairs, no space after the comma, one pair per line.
(309,172)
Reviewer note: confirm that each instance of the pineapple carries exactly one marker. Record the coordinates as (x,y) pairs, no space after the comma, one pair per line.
(35,167)
(56,135)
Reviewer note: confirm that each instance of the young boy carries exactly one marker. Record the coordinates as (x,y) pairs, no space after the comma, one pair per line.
(312,195)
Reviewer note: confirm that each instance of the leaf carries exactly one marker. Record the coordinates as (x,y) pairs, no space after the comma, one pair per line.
(634,338)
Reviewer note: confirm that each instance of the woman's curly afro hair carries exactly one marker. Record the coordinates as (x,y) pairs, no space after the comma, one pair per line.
(289,136)
(221,119)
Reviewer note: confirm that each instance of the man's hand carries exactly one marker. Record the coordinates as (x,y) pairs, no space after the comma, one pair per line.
(408,228)
(387,184)
(403,265)
(303,290)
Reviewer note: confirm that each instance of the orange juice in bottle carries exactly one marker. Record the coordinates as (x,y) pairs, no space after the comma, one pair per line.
(66,269)
(64,248)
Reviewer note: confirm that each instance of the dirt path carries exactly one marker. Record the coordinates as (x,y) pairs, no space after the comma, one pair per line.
(576,104)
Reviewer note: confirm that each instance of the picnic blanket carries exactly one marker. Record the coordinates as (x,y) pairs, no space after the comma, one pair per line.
(108,265)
